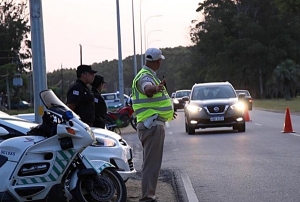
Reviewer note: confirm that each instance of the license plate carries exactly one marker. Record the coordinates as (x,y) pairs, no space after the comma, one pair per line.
(217,118)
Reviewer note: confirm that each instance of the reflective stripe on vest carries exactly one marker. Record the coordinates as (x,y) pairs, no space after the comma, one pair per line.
(145,107)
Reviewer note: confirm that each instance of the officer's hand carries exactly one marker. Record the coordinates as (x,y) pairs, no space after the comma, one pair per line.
(160,87)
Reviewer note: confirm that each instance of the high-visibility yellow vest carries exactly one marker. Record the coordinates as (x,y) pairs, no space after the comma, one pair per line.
(144,107)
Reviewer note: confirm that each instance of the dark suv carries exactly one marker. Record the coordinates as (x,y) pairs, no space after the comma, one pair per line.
(214,104)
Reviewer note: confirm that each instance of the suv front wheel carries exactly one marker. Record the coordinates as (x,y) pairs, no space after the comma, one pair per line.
(240,127)
(189,129)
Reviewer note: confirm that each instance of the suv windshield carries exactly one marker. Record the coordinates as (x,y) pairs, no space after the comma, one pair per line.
(182,94)
(212,92)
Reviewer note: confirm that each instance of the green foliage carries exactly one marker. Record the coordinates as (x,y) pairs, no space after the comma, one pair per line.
(287,76)
(14,29)
(244,41)
(287,6)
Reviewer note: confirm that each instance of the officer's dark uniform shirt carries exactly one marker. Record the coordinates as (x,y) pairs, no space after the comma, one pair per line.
(100,109)
(83,97)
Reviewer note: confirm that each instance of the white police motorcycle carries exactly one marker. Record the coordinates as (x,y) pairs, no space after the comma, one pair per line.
(47,165)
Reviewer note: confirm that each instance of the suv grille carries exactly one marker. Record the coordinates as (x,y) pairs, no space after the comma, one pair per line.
(216,109)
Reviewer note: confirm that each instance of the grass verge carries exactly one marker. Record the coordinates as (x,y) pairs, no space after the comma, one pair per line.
(278,104)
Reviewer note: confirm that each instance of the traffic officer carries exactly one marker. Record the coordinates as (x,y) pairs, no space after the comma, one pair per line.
(80,98)
(153,107)
(100,105)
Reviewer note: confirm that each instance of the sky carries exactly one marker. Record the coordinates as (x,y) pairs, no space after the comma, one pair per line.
(93,25)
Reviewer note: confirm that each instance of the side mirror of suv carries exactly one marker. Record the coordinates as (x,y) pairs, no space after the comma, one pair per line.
(185,98)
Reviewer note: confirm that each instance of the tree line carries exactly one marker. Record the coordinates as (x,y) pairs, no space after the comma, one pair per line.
(254,44)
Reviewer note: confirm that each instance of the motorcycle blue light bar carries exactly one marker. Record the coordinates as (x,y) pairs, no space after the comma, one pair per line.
(69,115)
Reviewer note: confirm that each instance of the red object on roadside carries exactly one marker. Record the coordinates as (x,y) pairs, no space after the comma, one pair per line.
(247,115)
(287,127)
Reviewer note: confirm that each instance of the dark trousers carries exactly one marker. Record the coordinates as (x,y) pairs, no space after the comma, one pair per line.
(153,142)
(99,124)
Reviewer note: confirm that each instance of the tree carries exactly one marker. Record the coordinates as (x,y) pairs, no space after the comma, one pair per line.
(242,41)
(289,6)
(14,31)
(287,76)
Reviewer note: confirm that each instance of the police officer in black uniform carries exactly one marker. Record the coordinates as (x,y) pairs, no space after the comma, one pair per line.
(80,98)
(100,105)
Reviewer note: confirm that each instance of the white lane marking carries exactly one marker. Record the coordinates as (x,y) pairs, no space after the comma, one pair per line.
(295,134)
(190,192)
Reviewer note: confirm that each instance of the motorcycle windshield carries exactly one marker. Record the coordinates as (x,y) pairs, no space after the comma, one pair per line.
(51,101)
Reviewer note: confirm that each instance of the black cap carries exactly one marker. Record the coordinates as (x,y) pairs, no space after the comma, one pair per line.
(98,80)
(85,68)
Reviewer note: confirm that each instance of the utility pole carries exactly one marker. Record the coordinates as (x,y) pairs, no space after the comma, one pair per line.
(62,83)
(120,63)
(80,53)
(134,54)
(7,90)
(38,56)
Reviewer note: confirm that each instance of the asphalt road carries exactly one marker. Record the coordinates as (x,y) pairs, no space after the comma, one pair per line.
(222,165)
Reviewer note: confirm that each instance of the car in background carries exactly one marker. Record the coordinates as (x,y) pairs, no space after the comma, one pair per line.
(178,102)
(214,104)
(22,104)
(109,146)
(248,98)
(113,102)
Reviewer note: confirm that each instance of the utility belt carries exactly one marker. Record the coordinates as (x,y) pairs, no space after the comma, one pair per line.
(153,120)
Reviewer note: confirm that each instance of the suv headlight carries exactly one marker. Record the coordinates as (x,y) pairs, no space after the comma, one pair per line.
(240,106)
(104,142)
(176,101)
(193,108)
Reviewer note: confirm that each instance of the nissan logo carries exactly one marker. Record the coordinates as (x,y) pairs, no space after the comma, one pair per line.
(216,109)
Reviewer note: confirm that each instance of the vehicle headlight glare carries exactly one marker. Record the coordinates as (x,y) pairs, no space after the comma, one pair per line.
(104,142)
(238,106)
(176,101)
(194,109)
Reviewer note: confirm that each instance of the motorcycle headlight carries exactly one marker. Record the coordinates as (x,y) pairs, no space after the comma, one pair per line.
(240,106)
(193,108)
(176,101)
(104,142)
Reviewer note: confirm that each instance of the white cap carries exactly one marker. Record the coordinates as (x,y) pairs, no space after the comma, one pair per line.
(153,54)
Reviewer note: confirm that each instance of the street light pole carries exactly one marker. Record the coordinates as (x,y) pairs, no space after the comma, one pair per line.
(120,63)
(157,30)
(80,53)
(141,35)
(151,42)
(134,54)
(38,56)
(153,16)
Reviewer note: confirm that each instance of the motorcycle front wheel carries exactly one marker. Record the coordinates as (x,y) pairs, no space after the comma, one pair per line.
(107,186)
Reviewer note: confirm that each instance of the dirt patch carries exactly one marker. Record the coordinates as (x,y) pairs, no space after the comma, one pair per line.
(164,191)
